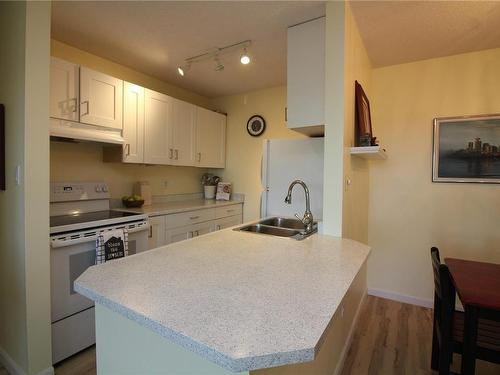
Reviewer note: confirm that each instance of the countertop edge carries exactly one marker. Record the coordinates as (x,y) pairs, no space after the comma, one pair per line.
(169,211)
(231,364)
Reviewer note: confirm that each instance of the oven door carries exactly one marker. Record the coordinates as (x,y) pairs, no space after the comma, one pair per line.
(71,255)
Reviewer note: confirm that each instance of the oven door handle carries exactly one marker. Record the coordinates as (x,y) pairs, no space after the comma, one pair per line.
(56,242)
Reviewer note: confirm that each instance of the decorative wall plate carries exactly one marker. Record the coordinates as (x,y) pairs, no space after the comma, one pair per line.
(256,125)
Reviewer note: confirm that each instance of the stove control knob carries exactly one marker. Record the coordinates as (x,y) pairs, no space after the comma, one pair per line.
(97,189)
(105,188)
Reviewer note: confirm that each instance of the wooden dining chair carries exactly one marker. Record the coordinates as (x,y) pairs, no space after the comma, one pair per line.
(448,324)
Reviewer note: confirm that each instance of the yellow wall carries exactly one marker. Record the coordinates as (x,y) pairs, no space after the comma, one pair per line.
(345,207)
(83,161)
(244,152)
(408,213)
(13,338)
(24,251)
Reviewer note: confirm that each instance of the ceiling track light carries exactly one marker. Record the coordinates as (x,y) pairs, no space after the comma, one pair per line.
(214,54)
(245,59)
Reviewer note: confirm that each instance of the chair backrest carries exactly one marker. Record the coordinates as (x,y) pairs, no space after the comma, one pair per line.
(444,291)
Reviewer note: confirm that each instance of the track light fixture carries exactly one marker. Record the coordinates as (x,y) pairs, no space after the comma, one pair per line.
(245,59)
(214,54)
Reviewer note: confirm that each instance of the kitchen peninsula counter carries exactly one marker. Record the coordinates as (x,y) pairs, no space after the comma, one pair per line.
(239,300)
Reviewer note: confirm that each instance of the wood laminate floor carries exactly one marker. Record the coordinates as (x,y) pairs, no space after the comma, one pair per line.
(391,338)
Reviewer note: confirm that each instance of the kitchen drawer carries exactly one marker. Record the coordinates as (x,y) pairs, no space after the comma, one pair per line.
(235,209)
(190,217)
(227,222)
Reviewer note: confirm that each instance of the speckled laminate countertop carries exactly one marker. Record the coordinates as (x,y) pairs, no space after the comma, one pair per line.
(242,300)
(168,208)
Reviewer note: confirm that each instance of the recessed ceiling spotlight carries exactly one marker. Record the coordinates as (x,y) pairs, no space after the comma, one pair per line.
(245,59)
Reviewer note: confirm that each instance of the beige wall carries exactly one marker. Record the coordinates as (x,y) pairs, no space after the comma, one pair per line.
(345,206)
(409,213)
(36,180)
(244,152)
(83,161)
(24,251)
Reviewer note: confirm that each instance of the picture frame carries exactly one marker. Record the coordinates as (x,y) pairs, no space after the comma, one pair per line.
(363,129)
(2,147)
(466,149)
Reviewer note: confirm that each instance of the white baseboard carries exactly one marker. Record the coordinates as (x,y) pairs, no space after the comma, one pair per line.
(347,345)
(401,298)
(47,371)
(14,369)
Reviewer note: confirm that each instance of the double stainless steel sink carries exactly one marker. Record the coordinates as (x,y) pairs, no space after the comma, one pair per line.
(279,226)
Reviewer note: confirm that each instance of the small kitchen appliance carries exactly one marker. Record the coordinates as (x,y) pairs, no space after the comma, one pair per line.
(79,213)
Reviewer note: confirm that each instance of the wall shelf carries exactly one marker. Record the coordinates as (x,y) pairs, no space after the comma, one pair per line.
(370,152)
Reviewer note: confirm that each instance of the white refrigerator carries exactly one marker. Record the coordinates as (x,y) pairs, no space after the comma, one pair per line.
(287,160)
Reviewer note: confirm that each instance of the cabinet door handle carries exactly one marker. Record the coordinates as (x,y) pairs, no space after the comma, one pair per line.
(75,107)
(127,149)
(176,154)
(86,102)
(150,231)
(170,153)
(231,210)
(199,156)
(194,217)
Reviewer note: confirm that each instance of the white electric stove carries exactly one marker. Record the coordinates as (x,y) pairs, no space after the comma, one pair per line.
(79,213)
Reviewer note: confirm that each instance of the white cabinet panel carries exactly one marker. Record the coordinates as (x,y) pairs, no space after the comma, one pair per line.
(100,99)
(190,217)
(133,123)
(156,236)
(182,132)
(157,112)
(306,75)
(228,222)
(210,139)
(64,90)
(202,228)
(178,234)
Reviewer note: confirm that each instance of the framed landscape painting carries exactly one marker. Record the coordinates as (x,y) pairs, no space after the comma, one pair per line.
(467,149)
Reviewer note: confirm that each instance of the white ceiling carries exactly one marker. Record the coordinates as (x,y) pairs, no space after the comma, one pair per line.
(156,37)
(397,32)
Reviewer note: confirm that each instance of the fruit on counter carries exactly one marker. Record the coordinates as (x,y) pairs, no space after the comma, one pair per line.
(132,198)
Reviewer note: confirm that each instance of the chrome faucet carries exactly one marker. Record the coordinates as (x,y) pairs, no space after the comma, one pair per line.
(307,220)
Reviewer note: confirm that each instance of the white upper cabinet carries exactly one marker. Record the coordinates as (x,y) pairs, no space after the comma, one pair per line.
(182,132)
(100,99)
(157,113)
(210,139)
(64,90)
(306,77)
(133,123)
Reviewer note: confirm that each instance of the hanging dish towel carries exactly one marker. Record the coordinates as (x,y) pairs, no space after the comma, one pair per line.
(111,244)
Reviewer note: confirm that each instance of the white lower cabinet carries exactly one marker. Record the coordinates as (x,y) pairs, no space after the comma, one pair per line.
(228,222)
(167,229)
(156,236)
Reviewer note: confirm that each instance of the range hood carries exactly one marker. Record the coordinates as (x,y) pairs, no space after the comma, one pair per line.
(79,131)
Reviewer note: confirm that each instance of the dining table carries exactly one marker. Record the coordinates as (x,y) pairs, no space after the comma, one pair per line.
(478,288)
